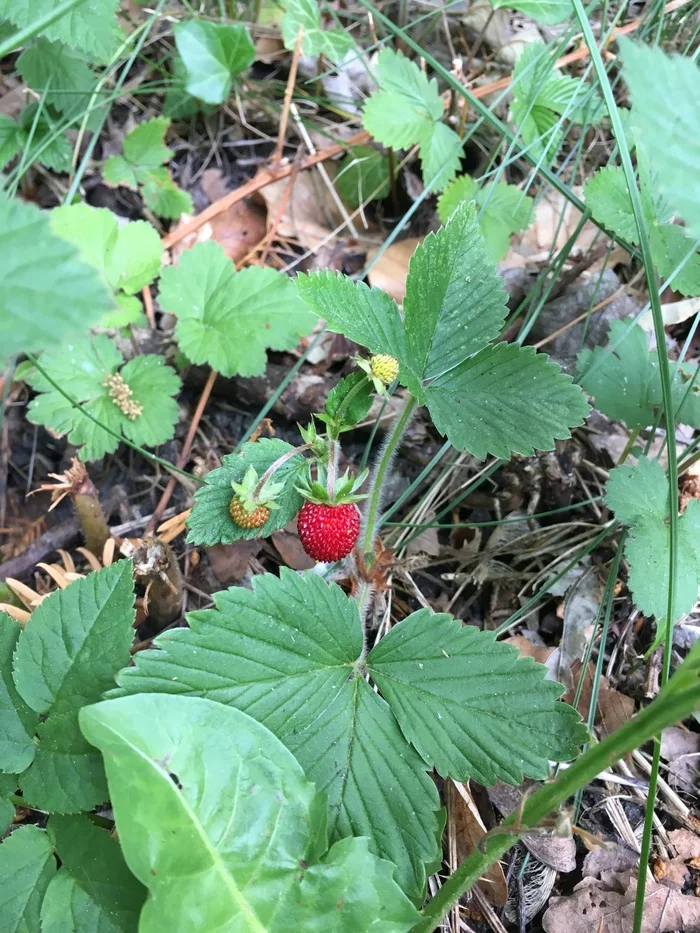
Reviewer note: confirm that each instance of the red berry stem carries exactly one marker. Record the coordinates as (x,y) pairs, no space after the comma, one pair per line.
(272,469)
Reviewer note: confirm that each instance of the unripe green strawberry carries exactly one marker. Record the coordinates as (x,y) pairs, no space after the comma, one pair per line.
(328,532)
(384,367)
(245,519)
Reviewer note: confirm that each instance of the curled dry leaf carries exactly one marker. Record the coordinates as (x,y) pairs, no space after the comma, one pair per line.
(681,749)
(230,561)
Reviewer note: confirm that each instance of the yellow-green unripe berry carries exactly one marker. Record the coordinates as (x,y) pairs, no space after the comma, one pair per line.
(384,367)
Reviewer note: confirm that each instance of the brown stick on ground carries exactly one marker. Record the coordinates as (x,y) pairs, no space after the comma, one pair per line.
(288,93)
(185,452)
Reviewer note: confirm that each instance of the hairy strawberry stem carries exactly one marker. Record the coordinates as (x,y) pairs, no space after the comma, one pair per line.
(390,447)
(333,450)
(272,469)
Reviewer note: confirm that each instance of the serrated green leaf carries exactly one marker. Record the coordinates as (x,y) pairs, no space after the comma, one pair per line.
(469,704)
(549,12)
(210,522)
(118,171)
(665,93)
(349,401)
(229,319)
(670,246)
(27,865)
(48,295)
(128,256)
(75,640)
(188,786)
(455,302)
(367,316)
(65,80)
(42,141)
(440,156)
(506,399)
(213,54)
(9,139)
(17,721)
(82,368)
(93,891)
(89,27)
(362,175)
(144,146)
(539,129)
(407,105)
(66,776)
(162,195)
(639,497)
(333,43)
(610,204)
(285,653)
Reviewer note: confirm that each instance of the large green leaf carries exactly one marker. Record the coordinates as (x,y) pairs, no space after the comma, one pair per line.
(213,54)
(665,93)
(17,721)
(286,653)
(210,521)
(506,399)
(305,14)
(469,704)
(9,139)
(93,891)
(217,819)
(47,295)
(63,77)
(367,316)
(638,495)
(26,868)
(89,27)
(455,301)
(228,319)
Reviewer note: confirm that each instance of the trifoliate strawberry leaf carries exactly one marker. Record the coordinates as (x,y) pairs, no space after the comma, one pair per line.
(90,28)
(93,881)
(128,256)
(638,495)
(665,92)
(440,156)
(407,105)
(287,654)
(47,296)
(470,705)
(503,210)
(86,631)
(549,12)
(625,383)
(368,316)
(163,768)
(63,77)
(42,141)
(27,865)
(210,521)
(9,139)
(213,54)
(144,146)
(17,721)
(455,301)
(506,399)
(305,14)
(363,175)
(133,400)
(228,319)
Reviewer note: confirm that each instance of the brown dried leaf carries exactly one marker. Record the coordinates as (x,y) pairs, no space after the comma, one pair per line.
(681,749)
(466,828)
(230,561)
(686,843)
(309,214)
(609,858)
(289,546)
(529,649)
(390,271)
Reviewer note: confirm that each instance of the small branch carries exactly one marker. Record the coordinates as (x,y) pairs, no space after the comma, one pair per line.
(185,452)
(289,91)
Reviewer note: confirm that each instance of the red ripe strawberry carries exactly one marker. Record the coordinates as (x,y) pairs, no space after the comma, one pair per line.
(328,532)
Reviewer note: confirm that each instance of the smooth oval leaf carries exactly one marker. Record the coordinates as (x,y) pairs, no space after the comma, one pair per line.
(213,54)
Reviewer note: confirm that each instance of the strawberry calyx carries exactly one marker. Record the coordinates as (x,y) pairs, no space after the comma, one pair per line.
(251,496)
(345,489)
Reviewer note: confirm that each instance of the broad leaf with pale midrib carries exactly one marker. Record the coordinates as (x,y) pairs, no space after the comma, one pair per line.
(216,817)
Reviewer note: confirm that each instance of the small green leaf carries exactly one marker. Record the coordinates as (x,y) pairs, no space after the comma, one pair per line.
(90,28)
(228,319)
(349,402)
(286,653)
(9,139)
(63,77)
(362,175)
(48,300)
(367,316)
(93,890)
(145,145)
(86,368)
(506,399)
(549,12)
(178,103)
(27,865)
(333,43)
(210,522)
(42,141)
(440,156)
(665,93)
(670,246)
(610,203)
(469,704)
(17,721)
(455,301)
(163,197)
(213,54)
(638,495)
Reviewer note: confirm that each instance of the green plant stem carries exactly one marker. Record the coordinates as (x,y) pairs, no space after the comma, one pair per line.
(19,38)
(389,449)
(666,710)
(631,440)
(272,469)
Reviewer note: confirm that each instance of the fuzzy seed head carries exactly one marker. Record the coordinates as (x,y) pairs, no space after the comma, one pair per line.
(244,518)
(328,532)
(121,393)
(384,367)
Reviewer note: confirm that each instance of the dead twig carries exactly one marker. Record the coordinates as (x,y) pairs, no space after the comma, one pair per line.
(288,93)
